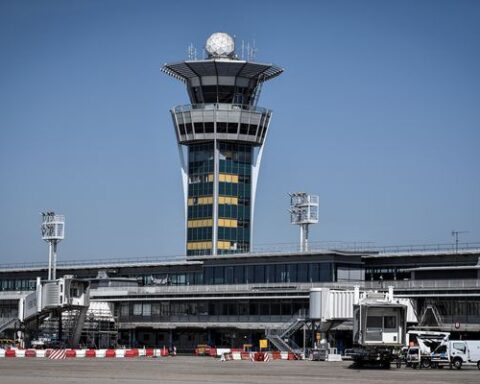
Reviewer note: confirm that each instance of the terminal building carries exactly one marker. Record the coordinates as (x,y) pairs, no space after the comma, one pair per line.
(222,293)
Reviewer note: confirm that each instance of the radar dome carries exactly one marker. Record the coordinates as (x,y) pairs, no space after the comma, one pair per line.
(220,44)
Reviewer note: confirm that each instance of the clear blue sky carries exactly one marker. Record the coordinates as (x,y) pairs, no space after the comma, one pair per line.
(378,112)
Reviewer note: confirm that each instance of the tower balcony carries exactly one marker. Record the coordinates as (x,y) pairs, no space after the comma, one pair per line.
(217,121)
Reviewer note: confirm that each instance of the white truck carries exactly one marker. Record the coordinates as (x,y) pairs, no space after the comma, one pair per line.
(421,344)
(457,353)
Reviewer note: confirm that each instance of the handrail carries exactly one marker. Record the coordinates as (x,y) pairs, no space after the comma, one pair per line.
(219,106)
(365,248)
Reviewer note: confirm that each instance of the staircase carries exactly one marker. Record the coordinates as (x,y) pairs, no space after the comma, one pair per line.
(7,323)
(280,338)
(76,326)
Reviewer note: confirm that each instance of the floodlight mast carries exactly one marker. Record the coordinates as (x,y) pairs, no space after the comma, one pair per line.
(53,231)
(303,212)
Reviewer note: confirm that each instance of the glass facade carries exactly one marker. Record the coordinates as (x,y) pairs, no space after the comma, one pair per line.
(233,198)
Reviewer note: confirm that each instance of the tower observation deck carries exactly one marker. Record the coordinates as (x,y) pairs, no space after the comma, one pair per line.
(220,137)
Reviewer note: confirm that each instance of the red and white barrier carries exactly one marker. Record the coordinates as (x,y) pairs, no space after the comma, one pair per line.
(84,353)
(56,354)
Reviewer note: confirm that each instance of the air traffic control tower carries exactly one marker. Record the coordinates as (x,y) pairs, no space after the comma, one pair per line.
(220,137)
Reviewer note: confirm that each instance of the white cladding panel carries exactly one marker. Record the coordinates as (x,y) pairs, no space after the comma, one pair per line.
(411,316)
(50,295)
(341,305)
(30,307)
(316,304)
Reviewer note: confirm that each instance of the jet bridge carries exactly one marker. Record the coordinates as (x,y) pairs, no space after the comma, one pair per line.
(51,299)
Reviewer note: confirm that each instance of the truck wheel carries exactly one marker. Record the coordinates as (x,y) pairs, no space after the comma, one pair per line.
(426,363)
(457,363)
(478,364)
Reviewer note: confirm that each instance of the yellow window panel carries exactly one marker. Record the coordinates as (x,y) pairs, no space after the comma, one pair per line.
(199,223)
(196,245)
(234,178)
(223,245)
(210,177)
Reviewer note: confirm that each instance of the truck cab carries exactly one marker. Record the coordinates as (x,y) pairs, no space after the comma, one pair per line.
(457,353)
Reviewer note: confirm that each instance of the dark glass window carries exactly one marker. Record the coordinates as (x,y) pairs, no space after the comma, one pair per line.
(390,322)
(229,275)
(221,127)
(209,127)
(374,322)
(259,273)
(239,277)
(302,273)
(249,274)
(219,275)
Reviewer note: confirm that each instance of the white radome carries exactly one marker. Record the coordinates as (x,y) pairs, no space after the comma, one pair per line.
(220,44)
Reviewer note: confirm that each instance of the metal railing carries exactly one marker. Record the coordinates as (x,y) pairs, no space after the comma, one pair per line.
(423,284)
(365,248)
(219,106)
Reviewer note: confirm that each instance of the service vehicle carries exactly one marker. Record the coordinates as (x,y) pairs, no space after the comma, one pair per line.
(457,353)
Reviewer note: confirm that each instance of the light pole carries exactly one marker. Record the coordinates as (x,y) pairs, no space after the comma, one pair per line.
(53,231)
(455,235)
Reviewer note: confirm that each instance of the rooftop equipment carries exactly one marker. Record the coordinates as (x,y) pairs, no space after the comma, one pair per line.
(303,212)
(53,231)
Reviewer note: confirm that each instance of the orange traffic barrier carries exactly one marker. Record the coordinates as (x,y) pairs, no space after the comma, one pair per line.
(276,355)
(10,353)
(110,353)
(149,352)
(164,352)
(90,353)
(70,353)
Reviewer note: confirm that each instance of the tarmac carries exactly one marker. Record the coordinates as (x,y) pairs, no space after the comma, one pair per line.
(199,370)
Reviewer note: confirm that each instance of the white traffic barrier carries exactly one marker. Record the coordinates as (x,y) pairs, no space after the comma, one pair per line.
(284,355)
(2,352)
(237,355)
(221,351)
(157,352)
(119,353)
(100,353)
(20,353)
(80,353)
(334,357)
(41,352)
(142,352)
